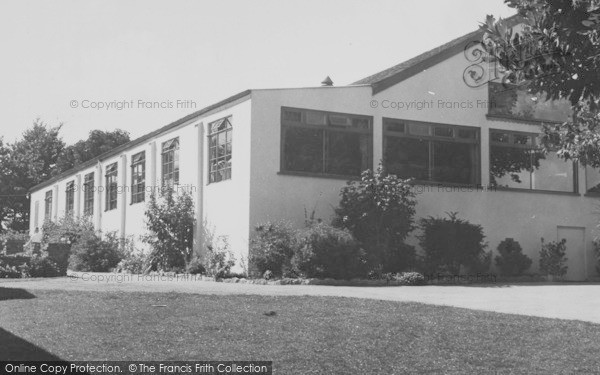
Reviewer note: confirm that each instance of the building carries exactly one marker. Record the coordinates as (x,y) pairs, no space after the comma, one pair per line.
(270,154)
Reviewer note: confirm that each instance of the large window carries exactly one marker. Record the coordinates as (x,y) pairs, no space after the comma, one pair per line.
(138,177)
(88,194)
(111,186)
(219,151)
(517,161)
(431,152)
(70,198)
(48,205)
(316,142)
(170,162)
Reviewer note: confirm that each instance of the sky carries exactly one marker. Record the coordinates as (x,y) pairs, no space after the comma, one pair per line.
(67,61)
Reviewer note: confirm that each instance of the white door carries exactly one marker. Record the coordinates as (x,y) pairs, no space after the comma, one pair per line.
(576,254)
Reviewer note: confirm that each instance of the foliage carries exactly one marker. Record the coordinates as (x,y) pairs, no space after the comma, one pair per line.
(272,248)
(96,254)
(9,272)
(23,164)
(327,252)
(378,210)
(553,258)
(67,229)
(195,267)
(42,266)
(450,243)
(411,278)
(97,143)
(511,261)
(12,241)
(557,54)
(170,221)
(133,260)
(219,258)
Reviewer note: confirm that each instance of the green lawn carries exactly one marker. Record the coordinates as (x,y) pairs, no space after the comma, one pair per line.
(306,335)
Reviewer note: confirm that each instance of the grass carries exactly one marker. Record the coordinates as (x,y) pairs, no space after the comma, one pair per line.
(305,335)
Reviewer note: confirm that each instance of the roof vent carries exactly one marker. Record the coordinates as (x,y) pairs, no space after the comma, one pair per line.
(327,82)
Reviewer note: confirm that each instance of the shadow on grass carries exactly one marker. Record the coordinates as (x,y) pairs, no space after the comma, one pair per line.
(14,348)
(14,293)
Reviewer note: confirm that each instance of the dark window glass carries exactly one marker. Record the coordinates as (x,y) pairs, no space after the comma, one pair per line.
(326,143)
(48,205)
(111,187)
(170,162)
(138,177)
(70,197)
(425,157)
(219,150)
(88,194)
(407,157)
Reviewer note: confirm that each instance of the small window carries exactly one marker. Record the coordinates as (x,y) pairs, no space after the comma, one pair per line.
(219,151)
(111,187)
(88,194)
(48,206)
(290,115)
(418,129)
(138,177)
(170,162)
(443,132)
(395,126)
(70,198)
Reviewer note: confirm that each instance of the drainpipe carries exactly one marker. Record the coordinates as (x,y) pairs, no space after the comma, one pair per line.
(98,198)
(200,250)
(124,193)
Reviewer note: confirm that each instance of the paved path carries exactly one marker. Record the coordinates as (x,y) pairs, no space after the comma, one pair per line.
(563,301)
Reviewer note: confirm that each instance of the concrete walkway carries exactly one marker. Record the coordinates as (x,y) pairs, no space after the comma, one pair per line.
(553,300)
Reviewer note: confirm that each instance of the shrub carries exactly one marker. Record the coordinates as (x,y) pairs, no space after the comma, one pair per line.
(195,267)
(68,229)
(96,254)
(378,210)
(512,261)
(552,258)
(328,252)
(9,272)
(272,248)
(219,258)
(12,241)
(411,278)
(170,221)
(42,266)
(596,244)
(450,243)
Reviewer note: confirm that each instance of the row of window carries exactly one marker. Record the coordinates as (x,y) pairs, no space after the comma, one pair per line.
(219,161)
(325,143)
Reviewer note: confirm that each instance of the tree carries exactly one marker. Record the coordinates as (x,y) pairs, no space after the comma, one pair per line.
(557,54)
(23,164)
(97,143)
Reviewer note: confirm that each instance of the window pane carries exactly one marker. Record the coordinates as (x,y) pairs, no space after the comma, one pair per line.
(499,137)
(467,133)
(553,174)
(418,129)
(443,132)
(407,157)
(303,150)
(592,180)
(394,126)
(316,118)
(347,153)
(290,115)
(511,167)
(454,162)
